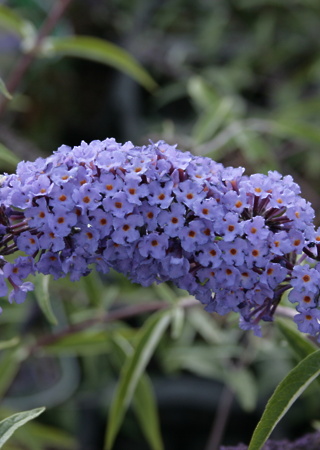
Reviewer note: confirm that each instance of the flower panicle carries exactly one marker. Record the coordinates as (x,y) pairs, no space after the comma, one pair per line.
(158,214)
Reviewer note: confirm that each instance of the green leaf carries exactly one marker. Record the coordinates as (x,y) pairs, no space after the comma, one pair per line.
(286,393)
(203,95)
(39,436)
(11,424)
(244,386)
(7,156)
(212,119)
(147,340)
(41,290)
(178,317)
(297,341)
(13,22)
(205,325)
(165,293)
(94,288)
(4,90)
(303,130)
(9,343)
(144,402)
(85,342)
(9,366)
(101,51)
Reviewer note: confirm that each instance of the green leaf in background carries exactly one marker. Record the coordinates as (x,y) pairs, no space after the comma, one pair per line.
(146,411)
(37,436)
(213,119)
(101,51)
(41,290)
(178,318)
(146,342)
(9,426)
(86,342)
(9,365)
(205,325)
(286,393)
(244,386)
(9,344)
(165,293)
(8,157)
(202,94)
(298,342)
(299,129)
(4,90)
(14,23)
(144,402)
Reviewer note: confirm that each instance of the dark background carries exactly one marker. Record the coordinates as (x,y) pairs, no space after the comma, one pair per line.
(238,81)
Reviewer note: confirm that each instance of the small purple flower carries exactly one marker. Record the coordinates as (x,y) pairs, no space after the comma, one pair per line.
(233,252)
(150,215)
(228,275)
(135,191)
(154,245)
(116,252)
(27,243)
(101,221)
(193,235)
(209,254)
(161,195)
(86,241)
(60,175)
(109,184)
(208,208)
(75,265)
(118,205)
(125,230)
(19,292)
(62,196)
(50,241)
(61,221)
(20,269)
(50,264)
(173,220)
(174,267)
(305,279)
(256,255)
(274,274)
(87,197)
(38,214)
(188,192)
(305,299)
(229,227)
(256,230)
(308,320)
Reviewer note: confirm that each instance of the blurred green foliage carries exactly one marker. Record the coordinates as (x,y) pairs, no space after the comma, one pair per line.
(238,81)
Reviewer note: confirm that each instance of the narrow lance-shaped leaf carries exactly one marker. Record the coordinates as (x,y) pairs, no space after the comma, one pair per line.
(9,425)
(13,22)
(144,403)
(9,365)
(7,156)
(4,90)
(41,290)
(147,340)
(98,50)
(287,392)
(297,341)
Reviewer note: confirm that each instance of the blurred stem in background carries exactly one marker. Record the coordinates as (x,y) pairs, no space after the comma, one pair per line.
(27,58)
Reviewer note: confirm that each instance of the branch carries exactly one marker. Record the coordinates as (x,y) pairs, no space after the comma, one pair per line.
(111,316)
(23,64)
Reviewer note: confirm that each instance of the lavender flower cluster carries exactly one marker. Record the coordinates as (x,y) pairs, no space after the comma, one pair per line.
(154,213)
